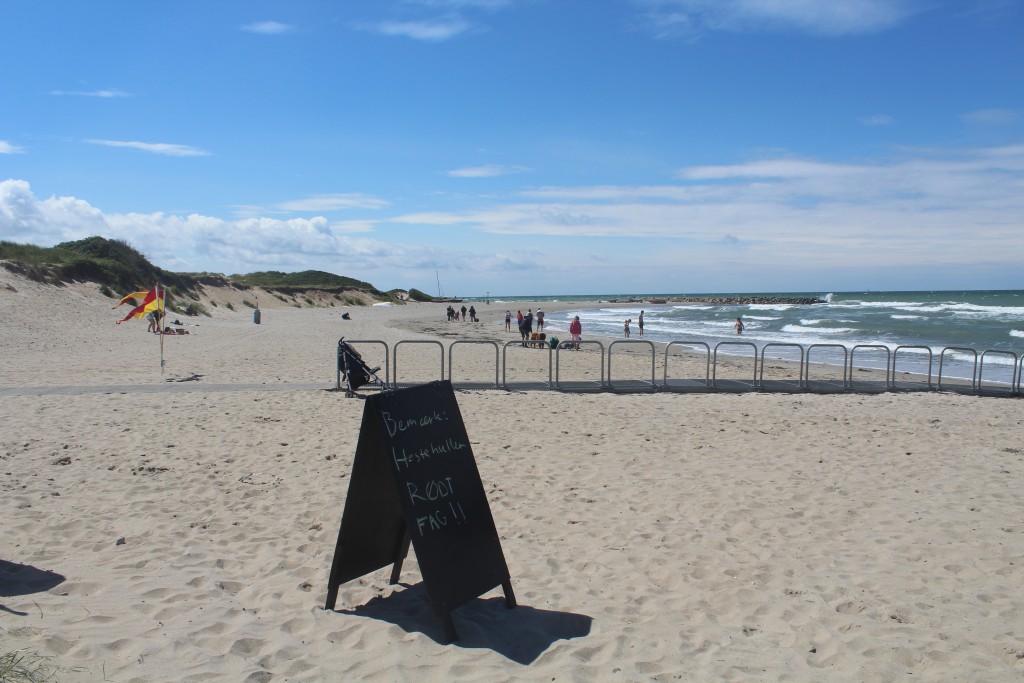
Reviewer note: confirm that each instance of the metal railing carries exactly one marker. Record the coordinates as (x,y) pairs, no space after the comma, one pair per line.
(631,385)
(782,384)
(733,384)
(920,377)
(530,346)
(687,384)
(472,385)
(879,386)
(1014,379)
(576,384)
(440,346)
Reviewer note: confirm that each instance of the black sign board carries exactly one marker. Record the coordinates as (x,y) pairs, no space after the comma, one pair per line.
(415,479)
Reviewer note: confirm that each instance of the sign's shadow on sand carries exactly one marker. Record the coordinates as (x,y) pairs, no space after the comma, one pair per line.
(521,634)
(24,579)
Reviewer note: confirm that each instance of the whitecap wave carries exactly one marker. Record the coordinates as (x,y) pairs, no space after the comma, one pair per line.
(770,307)
(800,329)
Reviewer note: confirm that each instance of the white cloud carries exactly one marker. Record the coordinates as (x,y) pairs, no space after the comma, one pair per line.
(154,147)
(9,148)
(333,202)
(818,17)
(489,171)
(992,117)
(878,120)
(431,31)
(108,93)
(268,28)
(952,207)
(196,242)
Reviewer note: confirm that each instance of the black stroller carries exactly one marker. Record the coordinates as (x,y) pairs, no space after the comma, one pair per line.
(354,371)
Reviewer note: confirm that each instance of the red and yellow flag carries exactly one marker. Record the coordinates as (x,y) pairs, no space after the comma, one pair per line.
(152,300)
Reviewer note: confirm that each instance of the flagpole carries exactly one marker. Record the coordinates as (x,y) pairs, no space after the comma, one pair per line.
(160,314)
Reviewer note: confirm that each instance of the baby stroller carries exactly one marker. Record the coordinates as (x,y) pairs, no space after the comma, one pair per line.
(354,371)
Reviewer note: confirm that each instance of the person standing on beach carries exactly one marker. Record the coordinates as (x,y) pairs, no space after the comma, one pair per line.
(540,320)
(463,314)
(576,330)
(526,327)
(472,314)
(640,323)
(625,327)
(739,326)
(508,321)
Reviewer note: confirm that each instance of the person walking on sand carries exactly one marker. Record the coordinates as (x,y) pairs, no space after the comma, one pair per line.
(463,314)
(576,330)
(625,327)
(472,314)
(739,326)
(640,323)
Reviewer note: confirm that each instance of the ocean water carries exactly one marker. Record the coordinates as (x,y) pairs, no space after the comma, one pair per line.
(977,320)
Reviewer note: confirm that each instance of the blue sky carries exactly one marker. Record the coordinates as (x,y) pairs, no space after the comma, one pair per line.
(527,146)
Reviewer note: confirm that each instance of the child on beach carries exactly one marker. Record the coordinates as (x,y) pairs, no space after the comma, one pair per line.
(625,327)
(739,326)
(576,330)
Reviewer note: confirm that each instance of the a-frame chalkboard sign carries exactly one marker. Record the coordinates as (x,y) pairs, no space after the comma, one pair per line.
(415,479)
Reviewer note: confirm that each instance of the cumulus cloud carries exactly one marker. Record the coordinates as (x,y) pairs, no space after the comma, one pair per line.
(196,242)
(9,148)
(268,28)
(154,147)
(834,17)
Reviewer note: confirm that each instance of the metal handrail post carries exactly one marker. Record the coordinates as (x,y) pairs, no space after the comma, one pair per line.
(714,369)
(846,358)
(631,341)
(974,370)
(707,374)
(602,383)
(888,360)
(504,365)
(417,341)
(800,379)
(896,351)
(489,342)
(981,367)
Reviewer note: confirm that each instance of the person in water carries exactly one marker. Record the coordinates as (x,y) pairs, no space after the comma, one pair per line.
(739,326)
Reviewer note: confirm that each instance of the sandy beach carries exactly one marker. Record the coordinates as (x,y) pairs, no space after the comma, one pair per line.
(179,523)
